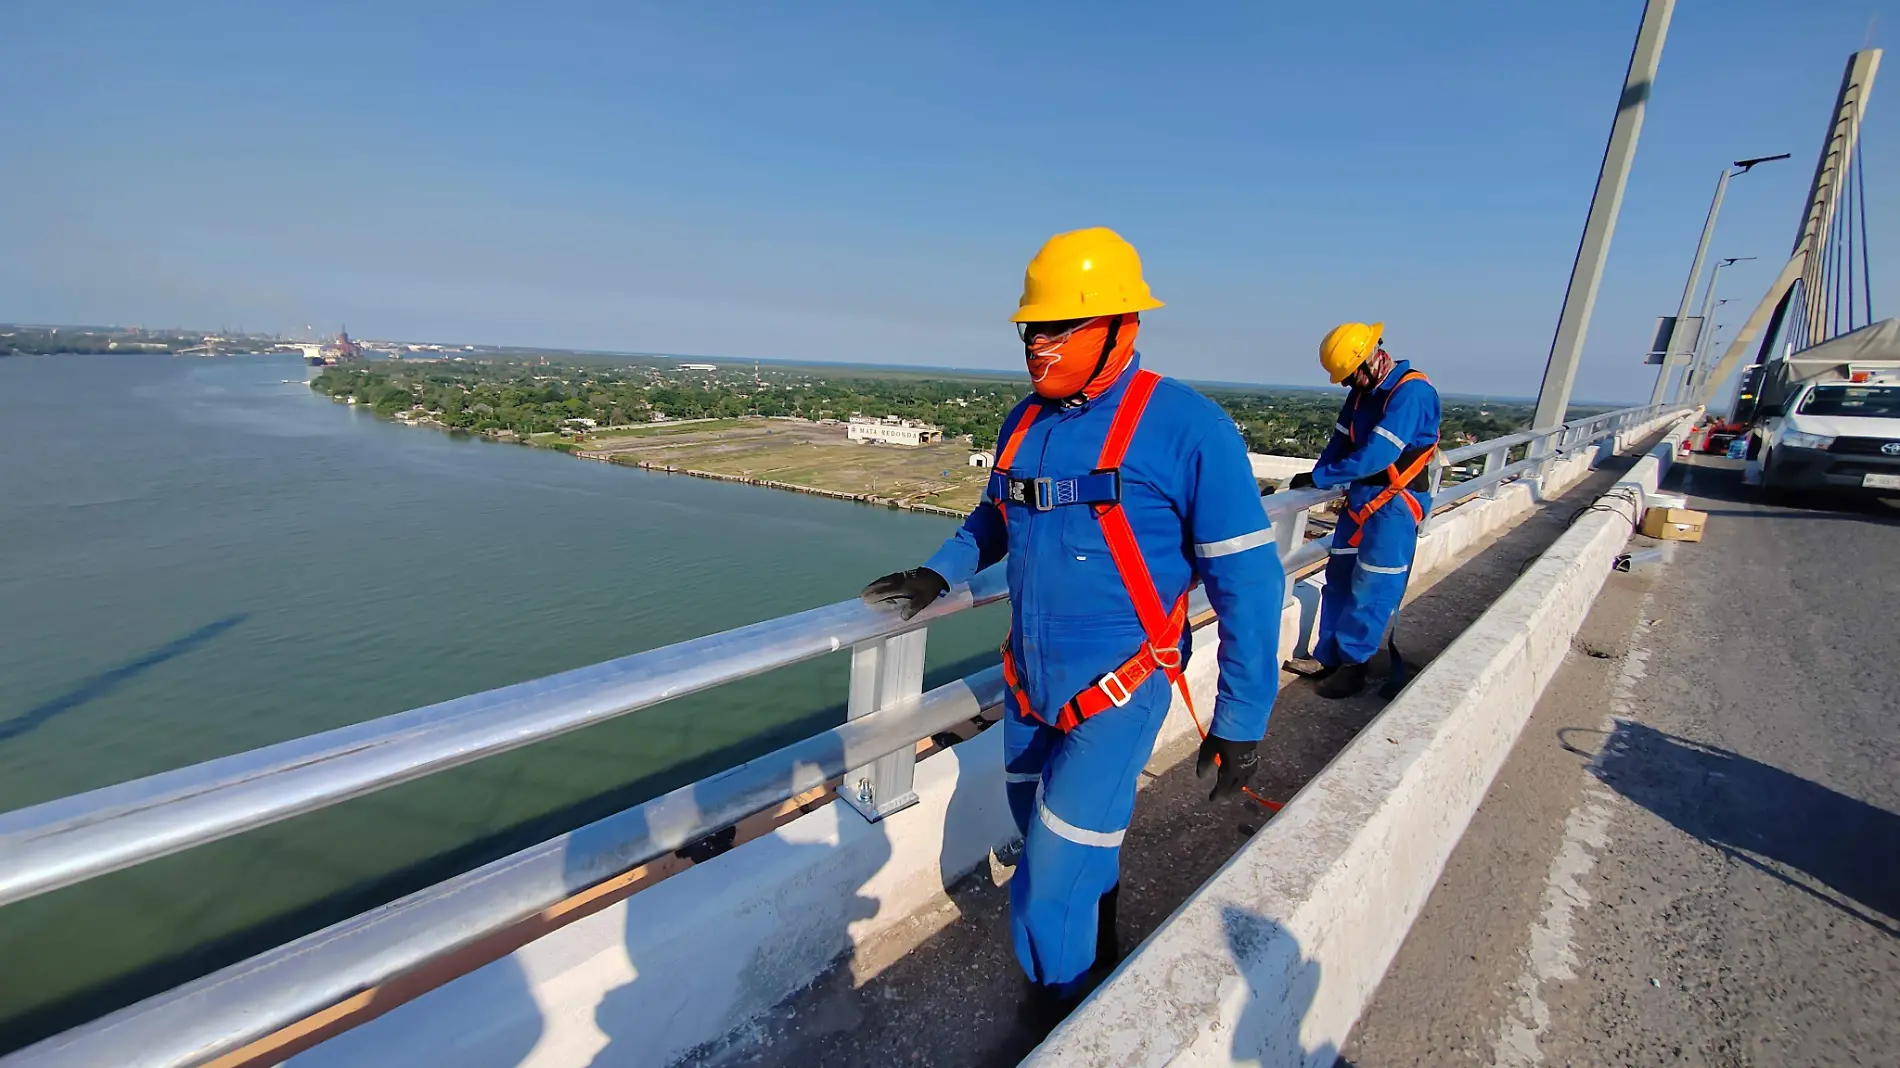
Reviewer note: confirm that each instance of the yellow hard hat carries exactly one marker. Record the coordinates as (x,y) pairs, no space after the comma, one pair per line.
(1081,274)
(1348,345)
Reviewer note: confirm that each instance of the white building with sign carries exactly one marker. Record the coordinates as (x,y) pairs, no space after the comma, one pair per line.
(891,430)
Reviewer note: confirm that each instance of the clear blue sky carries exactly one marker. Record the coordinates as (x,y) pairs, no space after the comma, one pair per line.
(824,181)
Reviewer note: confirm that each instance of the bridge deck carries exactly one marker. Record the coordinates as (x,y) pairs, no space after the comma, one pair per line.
(1693,854)
(951,1001)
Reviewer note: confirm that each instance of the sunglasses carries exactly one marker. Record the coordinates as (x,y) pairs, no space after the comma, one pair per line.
(1051,331)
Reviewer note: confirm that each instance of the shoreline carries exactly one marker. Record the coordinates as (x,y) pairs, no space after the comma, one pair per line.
(871,499)
(767,483)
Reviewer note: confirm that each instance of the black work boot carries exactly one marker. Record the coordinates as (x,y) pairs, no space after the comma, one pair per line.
(1043,1007)
(1108,942)
(1348,680)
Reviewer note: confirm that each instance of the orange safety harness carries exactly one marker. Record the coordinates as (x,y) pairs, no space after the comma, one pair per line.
(1160,651)
(1162,629)
(1397,479)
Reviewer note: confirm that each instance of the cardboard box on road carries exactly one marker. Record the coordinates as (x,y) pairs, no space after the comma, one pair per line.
(1674,524)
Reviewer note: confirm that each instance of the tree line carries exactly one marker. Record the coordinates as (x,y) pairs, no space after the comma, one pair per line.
(529,397)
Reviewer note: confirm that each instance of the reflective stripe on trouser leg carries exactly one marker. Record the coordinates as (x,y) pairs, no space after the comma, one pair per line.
(1026,748)
(1334,595)
(1377,582)
(1072,855)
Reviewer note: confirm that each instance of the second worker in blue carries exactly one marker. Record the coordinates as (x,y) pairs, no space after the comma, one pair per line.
(1382,449)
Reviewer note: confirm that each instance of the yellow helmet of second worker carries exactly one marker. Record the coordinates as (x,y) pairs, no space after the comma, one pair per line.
(1348,345)
(1081,274)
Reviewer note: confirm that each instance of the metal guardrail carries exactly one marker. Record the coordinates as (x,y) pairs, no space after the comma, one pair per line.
(66,841)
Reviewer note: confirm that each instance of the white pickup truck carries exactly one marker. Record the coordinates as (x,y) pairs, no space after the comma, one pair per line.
(1834,436)
(1828,417)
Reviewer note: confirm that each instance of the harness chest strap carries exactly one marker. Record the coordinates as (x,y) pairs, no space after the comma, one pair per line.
(1015,442)
(1397,478)
(1161,627)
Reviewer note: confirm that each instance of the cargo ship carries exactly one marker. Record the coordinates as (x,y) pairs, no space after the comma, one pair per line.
(340,349)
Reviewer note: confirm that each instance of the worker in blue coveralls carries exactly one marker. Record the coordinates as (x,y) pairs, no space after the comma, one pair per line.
(1382,449)
(1114,492)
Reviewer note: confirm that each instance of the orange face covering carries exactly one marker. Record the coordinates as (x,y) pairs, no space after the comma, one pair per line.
(1064,367)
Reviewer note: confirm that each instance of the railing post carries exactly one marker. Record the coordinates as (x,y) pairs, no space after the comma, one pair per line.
(1543,450)
(1492,461)
(1291,534)
(884,672)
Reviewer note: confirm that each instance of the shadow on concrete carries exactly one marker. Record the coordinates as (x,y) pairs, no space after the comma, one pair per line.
(1281,985)
(1836,848)
(752,926)
(106,681)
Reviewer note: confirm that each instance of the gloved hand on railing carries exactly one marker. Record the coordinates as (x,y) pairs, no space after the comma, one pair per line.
(912,591)
(1303,480)
(1237,762)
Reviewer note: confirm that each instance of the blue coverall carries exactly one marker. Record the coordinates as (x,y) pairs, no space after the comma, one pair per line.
(1364,583)
(1189,494)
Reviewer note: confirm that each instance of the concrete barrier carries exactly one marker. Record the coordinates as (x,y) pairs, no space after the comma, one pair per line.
(1269,466)
(683,967)
(1273,959)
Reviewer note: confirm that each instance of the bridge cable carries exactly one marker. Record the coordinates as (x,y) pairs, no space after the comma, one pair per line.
(1840,259)
(1831,279)
(1866,282)
(1847,239)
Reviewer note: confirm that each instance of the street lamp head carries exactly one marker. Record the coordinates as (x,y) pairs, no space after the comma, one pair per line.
(1747,165)
(1735,259)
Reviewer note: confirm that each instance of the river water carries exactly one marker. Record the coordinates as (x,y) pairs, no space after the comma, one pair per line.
(201,556)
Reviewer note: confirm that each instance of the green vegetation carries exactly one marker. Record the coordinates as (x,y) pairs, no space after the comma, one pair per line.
(547,403)
(87,341)
(534,398)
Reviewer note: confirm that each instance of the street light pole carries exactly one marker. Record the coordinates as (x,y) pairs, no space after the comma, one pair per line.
(1560,372)
(1704,345)
(1693,372)
(1688,290)
(1742,166)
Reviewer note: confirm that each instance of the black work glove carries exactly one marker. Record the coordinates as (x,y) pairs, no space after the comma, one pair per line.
(912,591)
(1303,480)
(1238,762)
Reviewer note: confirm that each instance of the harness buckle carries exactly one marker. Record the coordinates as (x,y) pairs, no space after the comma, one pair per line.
(1125,696)
(1045,494)
(1162,657)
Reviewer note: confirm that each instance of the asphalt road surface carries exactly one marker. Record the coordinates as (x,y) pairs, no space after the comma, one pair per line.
(1692,856)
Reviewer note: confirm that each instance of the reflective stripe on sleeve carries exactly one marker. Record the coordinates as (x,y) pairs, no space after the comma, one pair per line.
(1229,546)
(1341,427)
(1348,550)
(1377,570)
(1022,776)
(1388,435)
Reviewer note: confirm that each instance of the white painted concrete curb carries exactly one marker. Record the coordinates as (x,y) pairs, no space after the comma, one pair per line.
(1273,959)
(684,964)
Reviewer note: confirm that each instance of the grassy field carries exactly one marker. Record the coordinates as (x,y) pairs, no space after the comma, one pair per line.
(804,454)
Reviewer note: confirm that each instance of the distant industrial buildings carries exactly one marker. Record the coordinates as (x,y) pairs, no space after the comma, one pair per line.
(892,430)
